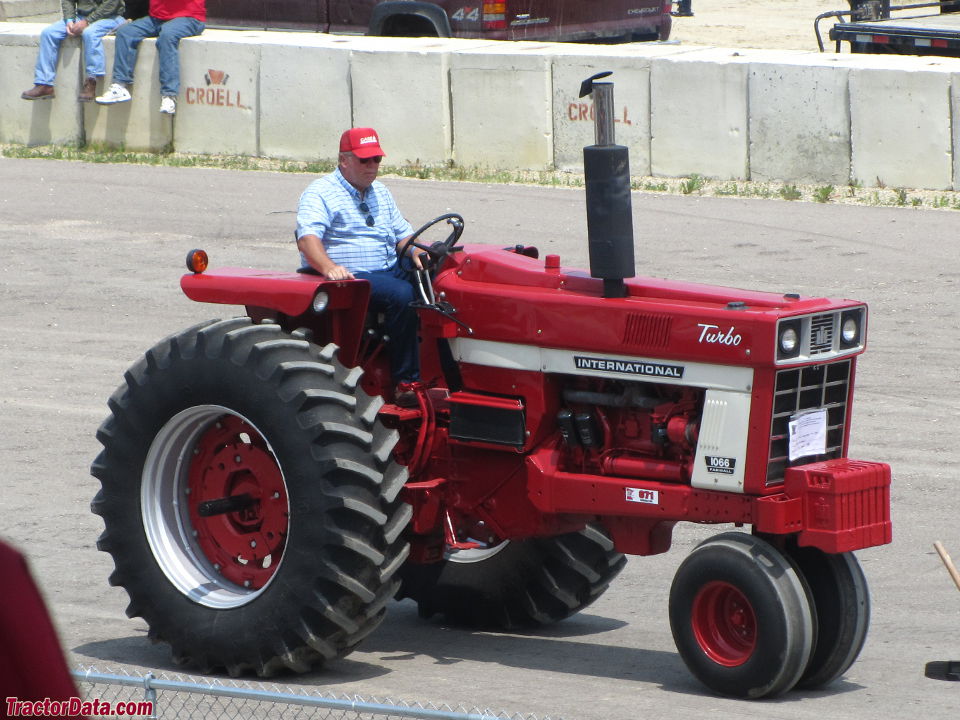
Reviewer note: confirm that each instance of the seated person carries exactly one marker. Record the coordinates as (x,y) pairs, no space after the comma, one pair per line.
(348,226)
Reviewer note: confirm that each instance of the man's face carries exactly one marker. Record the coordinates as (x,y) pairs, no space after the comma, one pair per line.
(359,172)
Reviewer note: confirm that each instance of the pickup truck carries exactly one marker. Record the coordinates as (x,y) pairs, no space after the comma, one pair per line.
(544,20)
(876,26)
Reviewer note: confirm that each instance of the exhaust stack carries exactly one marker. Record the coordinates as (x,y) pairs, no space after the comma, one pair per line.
(606,169)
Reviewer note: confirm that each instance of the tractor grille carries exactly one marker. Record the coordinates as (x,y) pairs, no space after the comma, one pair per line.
(821,333)
(799,390)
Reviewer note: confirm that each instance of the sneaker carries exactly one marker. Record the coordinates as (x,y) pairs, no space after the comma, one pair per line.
(168,105)
(38,92)
(88,91)
(116,93)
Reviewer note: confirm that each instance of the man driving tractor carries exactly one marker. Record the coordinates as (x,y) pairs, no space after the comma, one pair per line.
(348,226)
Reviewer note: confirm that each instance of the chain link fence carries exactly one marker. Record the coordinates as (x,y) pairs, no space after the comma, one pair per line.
(181,697)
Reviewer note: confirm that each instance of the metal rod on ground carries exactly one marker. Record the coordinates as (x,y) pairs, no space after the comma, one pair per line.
(942,552)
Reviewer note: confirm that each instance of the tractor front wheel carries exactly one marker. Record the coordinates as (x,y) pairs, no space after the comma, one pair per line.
(841,600)
(740,617)
(249,499)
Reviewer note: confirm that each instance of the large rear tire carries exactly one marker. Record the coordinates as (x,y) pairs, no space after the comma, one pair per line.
(517,583)
(841,599)
(249,499)
(740,617)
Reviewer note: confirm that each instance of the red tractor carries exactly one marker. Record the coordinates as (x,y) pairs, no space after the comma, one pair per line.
(264,499)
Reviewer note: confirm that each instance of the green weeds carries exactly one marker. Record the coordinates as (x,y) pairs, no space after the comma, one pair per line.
(879,195)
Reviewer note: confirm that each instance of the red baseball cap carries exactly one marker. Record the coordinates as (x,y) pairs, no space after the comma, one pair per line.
(362,142)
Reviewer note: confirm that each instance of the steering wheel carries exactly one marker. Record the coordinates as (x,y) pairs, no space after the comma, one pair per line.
(436,251)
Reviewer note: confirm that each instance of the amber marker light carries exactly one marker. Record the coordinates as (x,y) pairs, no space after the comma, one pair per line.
(197,260)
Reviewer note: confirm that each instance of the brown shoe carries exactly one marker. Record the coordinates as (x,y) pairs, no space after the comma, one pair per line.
(405,398)
(38,92)
(88,91)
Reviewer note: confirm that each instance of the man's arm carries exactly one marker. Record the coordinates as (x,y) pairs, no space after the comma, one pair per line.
(312,248)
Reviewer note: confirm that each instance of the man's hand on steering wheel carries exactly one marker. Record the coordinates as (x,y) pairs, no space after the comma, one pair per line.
(430,256)
(420,259)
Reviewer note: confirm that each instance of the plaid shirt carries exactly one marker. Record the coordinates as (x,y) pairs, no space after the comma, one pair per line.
(330,209)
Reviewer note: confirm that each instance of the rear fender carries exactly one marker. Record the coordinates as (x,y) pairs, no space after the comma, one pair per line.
(288,298)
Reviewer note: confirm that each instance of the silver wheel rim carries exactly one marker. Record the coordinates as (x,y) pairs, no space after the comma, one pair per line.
(165,512)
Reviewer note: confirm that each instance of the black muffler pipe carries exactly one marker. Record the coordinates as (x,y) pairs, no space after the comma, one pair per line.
(606,170)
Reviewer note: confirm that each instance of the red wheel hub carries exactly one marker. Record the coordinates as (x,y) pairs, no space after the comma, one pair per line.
(724,624)
(238,503)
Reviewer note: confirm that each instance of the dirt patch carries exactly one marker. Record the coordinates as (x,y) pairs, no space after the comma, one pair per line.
(768,24)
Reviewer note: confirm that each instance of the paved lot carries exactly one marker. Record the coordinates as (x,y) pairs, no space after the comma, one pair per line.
(88,280)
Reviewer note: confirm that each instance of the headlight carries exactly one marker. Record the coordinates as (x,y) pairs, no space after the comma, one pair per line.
(320,302)
(851,328)
(788,340)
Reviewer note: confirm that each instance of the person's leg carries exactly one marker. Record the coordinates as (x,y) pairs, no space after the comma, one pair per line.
(93,56)
(391,293)
(128,41)
(50,38)
(168,50)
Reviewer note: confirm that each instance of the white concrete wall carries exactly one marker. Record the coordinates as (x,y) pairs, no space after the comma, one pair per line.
(135,125)
(699,114)
(304,95)
(900,119)
(730,114)
(799,119)
(41,122)
(402,87)
(501,106)
(573,118)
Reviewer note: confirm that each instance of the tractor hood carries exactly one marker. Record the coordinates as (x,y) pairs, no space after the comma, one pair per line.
(505,296)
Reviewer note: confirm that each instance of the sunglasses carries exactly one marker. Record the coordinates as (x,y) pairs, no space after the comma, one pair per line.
(375,159)
(364,208)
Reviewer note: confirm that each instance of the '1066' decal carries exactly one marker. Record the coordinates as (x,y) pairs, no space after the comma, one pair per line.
(720,465)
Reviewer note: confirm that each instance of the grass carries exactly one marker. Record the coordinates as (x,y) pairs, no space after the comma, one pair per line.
(695,183)
(823,194)
(790,192)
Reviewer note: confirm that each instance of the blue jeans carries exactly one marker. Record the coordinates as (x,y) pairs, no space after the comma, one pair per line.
(169,33)
(391,293)
(93,59)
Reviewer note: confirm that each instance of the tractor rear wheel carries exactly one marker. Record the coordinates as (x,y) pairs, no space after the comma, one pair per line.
(841,599)
(517,583)
(740,617)
(249,499)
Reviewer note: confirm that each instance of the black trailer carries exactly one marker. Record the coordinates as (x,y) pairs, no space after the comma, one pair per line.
(876,26)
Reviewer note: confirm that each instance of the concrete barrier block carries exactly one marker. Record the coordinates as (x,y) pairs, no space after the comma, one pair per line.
(402,88)
(138,124)
(38,122)
(502,107)
(900,124)
(573,116)
(304,97)
(698,115)
(955,124)
(799,120)
(218,105)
